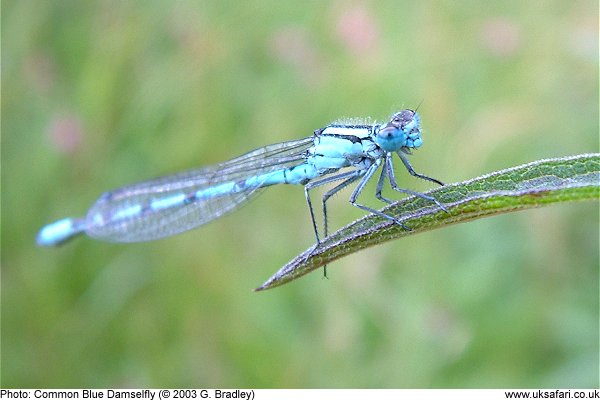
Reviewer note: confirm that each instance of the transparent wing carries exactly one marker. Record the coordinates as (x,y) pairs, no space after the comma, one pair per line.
(140,217)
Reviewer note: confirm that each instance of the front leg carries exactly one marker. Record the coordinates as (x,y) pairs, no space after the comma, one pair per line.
(390,171)
(412,171)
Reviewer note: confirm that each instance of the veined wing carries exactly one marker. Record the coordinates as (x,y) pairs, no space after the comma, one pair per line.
(168,205)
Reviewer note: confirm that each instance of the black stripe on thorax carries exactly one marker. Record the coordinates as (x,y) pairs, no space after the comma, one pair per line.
(350,138)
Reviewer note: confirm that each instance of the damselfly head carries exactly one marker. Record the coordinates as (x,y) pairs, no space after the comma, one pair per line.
(403,131)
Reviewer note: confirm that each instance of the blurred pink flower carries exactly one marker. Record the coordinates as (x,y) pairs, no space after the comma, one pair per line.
(357,29)
(293,47)
(501,36)
(66,134)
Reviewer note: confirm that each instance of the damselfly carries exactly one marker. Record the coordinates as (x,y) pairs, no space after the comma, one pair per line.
(173,204)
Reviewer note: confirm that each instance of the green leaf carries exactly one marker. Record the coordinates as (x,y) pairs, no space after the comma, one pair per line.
(536,184)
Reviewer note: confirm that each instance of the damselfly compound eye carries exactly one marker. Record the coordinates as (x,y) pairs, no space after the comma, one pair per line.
(387,133)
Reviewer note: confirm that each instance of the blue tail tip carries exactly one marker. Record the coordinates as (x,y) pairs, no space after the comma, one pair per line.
(58,232)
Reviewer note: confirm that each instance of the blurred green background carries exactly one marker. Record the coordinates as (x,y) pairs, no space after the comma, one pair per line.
(99,94)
